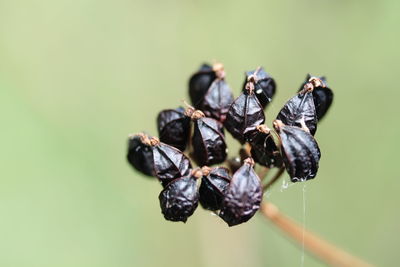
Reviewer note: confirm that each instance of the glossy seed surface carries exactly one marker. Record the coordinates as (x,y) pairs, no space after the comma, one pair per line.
(214,185)
(169,163)
(140,154)
(217,100)
(300,152)
(265,86)
(208,141)
(243,197)
(263,147)
(199,84)
(323,97)
(179,199)
(174,127)
(299,109)
(244,115)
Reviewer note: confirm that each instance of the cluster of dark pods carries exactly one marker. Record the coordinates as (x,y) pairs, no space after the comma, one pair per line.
(196,134)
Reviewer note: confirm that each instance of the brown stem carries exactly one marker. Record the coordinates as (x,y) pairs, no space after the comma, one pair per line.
(325,251)
(274,179)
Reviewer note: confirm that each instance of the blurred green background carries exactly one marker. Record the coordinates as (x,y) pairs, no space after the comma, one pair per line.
(77,76)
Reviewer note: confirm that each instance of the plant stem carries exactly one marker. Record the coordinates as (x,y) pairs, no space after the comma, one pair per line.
(274,179)
(325,251)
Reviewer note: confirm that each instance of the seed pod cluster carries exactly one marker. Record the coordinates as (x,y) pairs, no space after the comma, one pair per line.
(232,190)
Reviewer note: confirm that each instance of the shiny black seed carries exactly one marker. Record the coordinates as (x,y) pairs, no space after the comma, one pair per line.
(243,197)
(179,199)
(199,84)
(245,114)
(323,97)
(169,162)
(300,152)
(299,109)
(174,127)
(265,86)
(234,164)
(214,185)
(140,154)
(263,148)
(217,100)
(208,141)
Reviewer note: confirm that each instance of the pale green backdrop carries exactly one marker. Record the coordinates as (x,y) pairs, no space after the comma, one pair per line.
(77,76)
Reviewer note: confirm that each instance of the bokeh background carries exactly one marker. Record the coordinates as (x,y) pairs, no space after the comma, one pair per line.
(77,76)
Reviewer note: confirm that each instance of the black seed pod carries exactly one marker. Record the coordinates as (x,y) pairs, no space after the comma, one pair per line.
(263,148)
(214,185)
(323,96)
(245,114)
(300,152)
(174,127)
(264,87)
(169,162)
(179,199)
(298,109)
(140,154)
(199,84)
(243,197)
(217,100)
(208,139)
